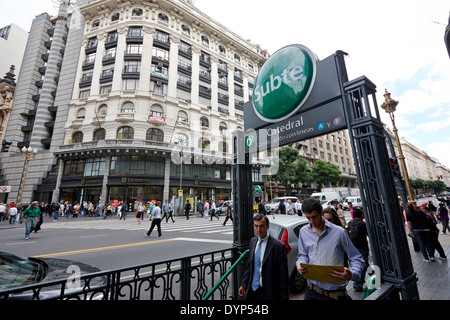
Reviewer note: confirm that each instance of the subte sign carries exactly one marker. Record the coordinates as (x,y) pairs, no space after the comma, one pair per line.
(295,96)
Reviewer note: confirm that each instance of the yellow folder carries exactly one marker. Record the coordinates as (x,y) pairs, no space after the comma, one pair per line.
(320,273)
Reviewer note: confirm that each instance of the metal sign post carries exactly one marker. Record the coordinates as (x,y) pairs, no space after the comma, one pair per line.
(299,97)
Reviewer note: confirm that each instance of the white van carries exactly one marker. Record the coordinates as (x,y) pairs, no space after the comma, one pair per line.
(324,197)
(355,200)
(272,205)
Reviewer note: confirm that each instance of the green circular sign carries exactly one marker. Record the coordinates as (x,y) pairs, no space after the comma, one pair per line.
(284,83)
(249,142)
(257,189)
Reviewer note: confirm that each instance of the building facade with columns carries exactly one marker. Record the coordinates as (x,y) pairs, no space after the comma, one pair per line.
(155,82)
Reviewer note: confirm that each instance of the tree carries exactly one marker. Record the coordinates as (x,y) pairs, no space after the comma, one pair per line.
(291,168)
(324,172)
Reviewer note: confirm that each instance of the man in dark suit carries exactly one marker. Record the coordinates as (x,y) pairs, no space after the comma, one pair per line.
(266,274)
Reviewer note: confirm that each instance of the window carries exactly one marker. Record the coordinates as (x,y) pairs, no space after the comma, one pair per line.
(237,58)
(238,73)
(105,89)
(108,73)
(222,66)
(99,134)
(160,70)
(205,72)
(77,137)
(205,41)
(127,107)
(134,49)
(161,36)
(203,143)
(157,110)
(135,32)
(112,37)
(223,147)
(94,167)
(204,122)
(183,117)
(92,43)
(115,16)
(109,54)
(130,84)
(158,87)
(185,29)
(84,94)
(103,110)
(74,168)
(81,114)
(184,79)
(87,77)
(222,49)
(90,58)
(163,18)
(137,12)
(132,67)
(160,54)
(205,57)
(185,47)
(96,24)
(180,139)
(154,134)
(125,133)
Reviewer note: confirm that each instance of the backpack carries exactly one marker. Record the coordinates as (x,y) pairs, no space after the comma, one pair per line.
(353,230)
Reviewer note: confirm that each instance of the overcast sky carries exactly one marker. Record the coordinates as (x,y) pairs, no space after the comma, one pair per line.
(398,44)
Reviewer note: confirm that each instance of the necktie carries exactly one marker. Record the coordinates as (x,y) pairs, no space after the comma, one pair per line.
(256,266)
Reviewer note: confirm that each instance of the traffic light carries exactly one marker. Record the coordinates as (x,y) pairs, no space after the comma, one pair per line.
(5,145)
(395,168)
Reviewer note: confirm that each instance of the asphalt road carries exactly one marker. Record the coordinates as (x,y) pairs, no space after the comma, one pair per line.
(113,243)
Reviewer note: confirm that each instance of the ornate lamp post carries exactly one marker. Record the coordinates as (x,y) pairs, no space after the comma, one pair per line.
(389,105)
(28,153)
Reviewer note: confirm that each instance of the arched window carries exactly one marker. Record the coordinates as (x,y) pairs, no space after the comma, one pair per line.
(180,139)
(137,12)
(77,137)
(163,18)
(185,29)
(96,24)
(102,110)
(237,58)
(115,16)
(222,49)
(157,110)
(183,117)
(205,40)
(204,143)
(204,122)
(81,114)
(125,133)
(99,134)
(127,107)
(154,134)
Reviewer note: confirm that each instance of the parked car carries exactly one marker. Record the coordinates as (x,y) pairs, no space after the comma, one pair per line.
(286,228)
(272,205)
(355,200)
(16,271)
(221,208)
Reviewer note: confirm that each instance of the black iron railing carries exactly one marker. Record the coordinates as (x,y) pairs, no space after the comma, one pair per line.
(186,278)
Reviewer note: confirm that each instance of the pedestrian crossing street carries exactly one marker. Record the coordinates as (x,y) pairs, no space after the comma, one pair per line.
(181,225)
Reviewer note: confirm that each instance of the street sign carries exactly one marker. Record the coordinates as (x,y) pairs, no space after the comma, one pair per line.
(115,203)
(284,83)
(180,193)
(257,189)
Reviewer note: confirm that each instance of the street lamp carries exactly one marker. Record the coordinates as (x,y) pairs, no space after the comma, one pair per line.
(389,105)
(28,153)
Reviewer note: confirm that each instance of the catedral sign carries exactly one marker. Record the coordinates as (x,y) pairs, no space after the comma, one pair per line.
(295,97)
